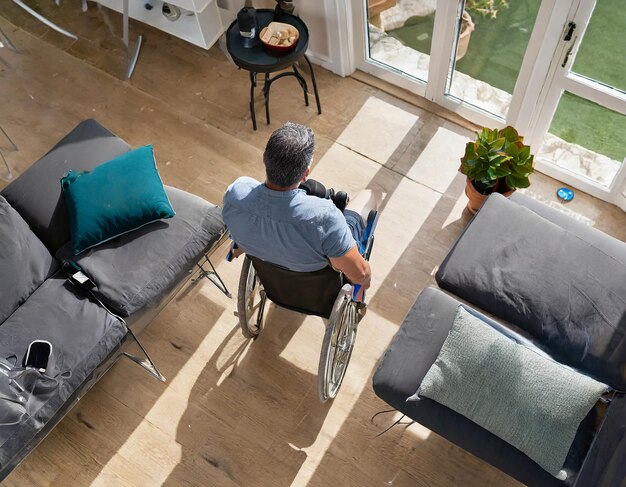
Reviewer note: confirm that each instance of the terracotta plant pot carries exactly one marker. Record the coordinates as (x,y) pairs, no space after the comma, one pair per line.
(476,198)
(467,27)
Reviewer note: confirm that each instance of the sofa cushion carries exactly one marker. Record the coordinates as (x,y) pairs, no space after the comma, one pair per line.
(118,196)
(36,194)
(24,261)
(136,269)
(531,402)
(82,335)
(410,355)
(565,288)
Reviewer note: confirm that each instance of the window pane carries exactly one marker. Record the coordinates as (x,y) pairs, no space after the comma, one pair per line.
(400,33)
(602,53)
(586,138)
(489,57)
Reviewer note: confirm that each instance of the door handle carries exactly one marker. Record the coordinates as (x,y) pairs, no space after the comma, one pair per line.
(571,27)
(569,52)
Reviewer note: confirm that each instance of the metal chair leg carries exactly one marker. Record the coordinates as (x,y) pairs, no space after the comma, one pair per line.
(9,172)
(5,41)
(41,18)
(14,147)
(134,52)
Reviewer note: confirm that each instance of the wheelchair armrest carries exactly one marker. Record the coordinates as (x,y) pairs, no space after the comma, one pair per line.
(368,234)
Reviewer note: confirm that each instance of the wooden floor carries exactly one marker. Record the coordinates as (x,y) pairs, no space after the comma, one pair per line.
(235,413)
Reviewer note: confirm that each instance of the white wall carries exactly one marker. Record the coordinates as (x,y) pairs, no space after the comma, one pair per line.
(330,43)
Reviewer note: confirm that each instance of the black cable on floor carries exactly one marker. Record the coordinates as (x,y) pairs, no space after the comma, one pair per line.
(394,424)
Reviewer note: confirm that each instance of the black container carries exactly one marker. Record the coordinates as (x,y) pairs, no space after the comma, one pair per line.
(248,28)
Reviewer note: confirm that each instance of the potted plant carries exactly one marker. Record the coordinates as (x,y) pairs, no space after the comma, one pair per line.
(482,8)
(498,160)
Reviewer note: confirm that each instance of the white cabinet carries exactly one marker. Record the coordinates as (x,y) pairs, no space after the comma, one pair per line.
(200,21)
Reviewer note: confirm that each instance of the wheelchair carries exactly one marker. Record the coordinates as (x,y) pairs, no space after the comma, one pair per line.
(325,293)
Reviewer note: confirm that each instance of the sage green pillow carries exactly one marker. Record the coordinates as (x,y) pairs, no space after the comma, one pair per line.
(528,400)
(115,198)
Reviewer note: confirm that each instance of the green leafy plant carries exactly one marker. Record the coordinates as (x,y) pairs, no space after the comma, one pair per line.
(498,160)
(485,8)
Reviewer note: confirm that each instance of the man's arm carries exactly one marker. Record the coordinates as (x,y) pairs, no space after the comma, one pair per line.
(354,266)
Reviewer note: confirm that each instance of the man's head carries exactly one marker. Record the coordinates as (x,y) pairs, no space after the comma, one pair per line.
(288,154)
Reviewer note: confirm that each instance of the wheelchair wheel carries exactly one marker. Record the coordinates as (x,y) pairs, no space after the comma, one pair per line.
(250,301)
(337,344)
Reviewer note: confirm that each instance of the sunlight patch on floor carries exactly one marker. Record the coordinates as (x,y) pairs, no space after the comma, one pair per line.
(155,435)
(438,164)
(377,129)
(303,350)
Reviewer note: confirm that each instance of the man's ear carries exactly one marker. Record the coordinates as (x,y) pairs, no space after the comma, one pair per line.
(306,174)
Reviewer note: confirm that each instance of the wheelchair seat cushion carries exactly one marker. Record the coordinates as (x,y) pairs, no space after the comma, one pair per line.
(312,293)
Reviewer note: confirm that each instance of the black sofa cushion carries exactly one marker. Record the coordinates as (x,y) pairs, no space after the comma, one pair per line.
(410,355)
(565,287)
(136,269)
(36,193)
(24,261)
(82,335)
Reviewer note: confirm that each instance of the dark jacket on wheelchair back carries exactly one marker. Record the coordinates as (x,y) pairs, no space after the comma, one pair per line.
(312,293)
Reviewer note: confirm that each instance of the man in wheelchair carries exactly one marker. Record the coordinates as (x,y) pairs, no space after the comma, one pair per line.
(291,228)
(283,222)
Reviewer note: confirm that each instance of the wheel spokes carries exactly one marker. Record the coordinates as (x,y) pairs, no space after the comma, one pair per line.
(341,348)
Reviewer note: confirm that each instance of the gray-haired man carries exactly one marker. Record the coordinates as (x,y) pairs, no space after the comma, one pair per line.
(278,222)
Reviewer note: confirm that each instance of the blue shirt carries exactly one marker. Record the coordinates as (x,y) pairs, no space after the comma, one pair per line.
(288,228)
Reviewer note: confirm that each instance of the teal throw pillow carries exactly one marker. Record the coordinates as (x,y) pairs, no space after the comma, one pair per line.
(527,399)
(115,198)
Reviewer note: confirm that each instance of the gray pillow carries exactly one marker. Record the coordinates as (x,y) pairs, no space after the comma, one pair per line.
(528,400)
(565,287)
(24,261)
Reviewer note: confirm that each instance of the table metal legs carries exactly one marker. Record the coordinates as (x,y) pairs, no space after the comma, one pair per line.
(252,86)
(317,96)
(267,84)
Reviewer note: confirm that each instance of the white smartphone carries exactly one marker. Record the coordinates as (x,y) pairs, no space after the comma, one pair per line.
(38,354)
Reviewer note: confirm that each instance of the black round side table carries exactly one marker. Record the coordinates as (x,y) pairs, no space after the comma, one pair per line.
(259,59)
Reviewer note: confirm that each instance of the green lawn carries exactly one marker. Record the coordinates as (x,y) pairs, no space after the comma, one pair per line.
(495,56)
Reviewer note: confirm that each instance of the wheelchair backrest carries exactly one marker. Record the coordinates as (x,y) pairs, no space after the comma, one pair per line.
(312,293)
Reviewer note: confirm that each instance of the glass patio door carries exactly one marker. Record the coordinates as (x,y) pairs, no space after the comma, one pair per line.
(466,55)
(580,128)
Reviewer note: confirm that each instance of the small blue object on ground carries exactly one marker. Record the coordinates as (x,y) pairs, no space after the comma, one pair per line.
(565,194)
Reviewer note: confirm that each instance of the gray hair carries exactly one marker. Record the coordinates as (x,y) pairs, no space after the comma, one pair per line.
(288,154)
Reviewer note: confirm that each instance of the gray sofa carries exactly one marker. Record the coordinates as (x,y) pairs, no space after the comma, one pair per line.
(135,275)
(553,281)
